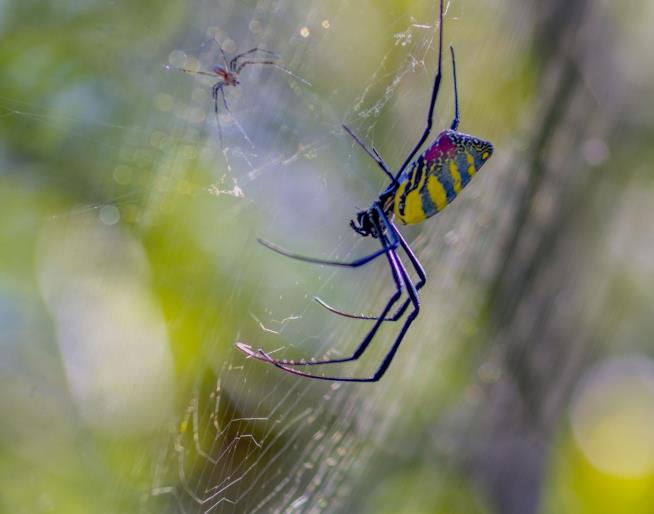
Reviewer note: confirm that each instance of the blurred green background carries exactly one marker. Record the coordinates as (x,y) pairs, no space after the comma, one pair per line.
(129,265)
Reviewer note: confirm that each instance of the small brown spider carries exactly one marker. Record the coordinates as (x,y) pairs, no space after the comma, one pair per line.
(229,75)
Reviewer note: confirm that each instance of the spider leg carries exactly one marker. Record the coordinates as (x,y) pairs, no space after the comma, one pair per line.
(191,72)
(422,276)
(327,262)
(387,246)
(234,61)
(218,87)
(455,121)
(222,93)
(222,52)
(397,268)
(432,103)
(372,153)
(350,315)
(274,65)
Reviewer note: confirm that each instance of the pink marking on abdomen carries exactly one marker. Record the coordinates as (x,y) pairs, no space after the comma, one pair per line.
(442,145)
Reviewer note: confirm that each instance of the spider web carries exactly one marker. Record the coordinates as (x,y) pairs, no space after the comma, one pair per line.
(248,438)
(243,436)
(252,439)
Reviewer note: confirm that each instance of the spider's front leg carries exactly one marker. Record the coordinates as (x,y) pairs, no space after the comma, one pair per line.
(373,153)
(327,262)
(234,62)
(274,64)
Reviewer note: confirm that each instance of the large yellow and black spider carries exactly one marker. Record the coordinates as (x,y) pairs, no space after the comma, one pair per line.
(421,188)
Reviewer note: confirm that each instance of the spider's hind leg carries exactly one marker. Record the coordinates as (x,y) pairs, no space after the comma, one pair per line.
(219,87)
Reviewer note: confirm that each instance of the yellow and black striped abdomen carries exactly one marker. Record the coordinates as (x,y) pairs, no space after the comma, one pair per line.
(436,177)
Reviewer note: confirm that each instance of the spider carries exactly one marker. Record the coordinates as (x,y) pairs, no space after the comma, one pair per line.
(421,188)
(229,75)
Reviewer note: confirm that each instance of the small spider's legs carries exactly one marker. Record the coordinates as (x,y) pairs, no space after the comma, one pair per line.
(222,93)
(219,87)
(372,153)
(234,61)
(274,65)
(222,52)
(191,72)
(420,271)
(432,103)
(455,121)
(397,268)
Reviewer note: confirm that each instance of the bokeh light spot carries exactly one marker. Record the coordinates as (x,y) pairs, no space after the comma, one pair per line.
(595,151)
(229,46)
(164,102)
(109,214)
(612,416)
(122,174)
(177,58)
(255,26)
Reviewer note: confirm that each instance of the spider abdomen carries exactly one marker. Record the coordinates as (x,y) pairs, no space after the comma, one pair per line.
(436,177)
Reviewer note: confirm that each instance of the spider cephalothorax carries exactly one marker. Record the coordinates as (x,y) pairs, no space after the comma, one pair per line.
(421,188)
(366,223)
(229,78)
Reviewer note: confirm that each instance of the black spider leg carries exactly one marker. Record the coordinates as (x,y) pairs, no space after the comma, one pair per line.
(417,266)
(374,154)
(457,116)
(392,245)
(274,64)
(432,104)
(234,61)
(398,269)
